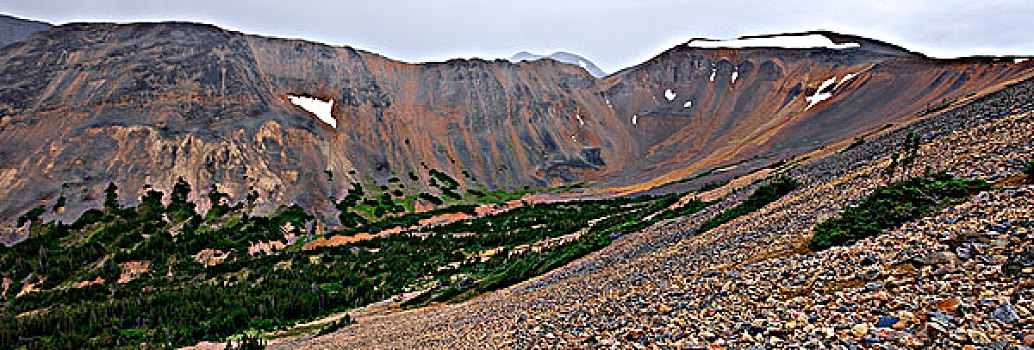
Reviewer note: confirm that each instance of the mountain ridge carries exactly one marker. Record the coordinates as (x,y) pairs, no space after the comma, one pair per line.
(211,105)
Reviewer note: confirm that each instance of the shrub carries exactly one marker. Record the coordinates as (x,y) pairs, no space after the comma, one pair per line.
(431,199)
(762,196)
(33,215)
(335,326)
(892,205)
(858,141)
(60,203)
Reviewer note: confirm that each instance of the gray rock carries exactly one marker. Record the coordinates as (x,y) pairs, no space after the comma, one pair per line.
(1006,313)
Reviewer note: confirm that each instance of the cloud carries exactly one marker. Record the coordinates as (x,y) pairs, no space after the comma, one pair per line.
(614,34)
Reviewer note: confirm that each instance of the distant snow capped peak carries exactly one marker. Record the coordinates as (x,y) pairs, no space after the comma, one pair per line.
(561,56)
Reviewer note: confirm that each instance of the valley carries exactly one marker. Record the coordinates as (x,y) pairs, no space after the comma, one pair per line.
(174,184)
(753,281)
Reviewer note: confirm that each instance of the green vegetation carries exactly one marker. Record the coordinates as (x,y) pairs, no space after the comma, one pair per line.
(57,257)
(492,197)
(714,185)
(515,260)
(430,198)
(31,215)
(944,103)
(765,194)
(858,141)
(350,219)
(906,157)
(336,325)
(60,203)
(167,275)
(445,183)
(1028,169)
(892,205)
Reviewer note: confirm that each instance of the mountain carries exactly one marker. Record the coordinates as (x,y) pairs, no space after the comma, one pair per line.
(562,57)
(14,29)
(213,186)
(82,105)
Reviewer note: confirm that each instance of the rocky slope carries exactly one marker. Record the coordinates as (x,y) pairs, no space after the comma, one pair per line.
(14,29)
(82,105)
(958,279)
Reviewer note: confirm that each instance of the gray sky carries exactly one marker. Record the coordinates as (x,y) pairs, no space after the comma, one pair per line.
(613,34)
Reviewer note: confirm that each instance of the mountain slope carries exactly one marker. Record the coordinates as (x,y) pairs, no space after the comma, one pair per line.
(912,286)
(144,104)
(14,29)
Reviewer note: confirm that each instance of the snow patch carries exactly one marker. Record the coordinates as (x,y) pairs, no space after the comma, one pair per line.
(581,63)
(634,119)
(847,77)
(608,103)
(735,74)
(319,108)
(670,95)
(782,41)
(1019,60)
(713,71)
(580,121)
(820,96)
(688,104)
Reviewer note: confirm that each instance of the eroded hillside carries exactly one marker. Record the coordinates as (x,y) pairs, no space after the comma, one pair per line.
(83,105)
(957,278)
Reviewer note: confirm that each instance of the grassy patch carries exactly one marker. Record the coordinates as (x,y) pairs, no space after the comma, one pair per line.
(892,205)
(765,194)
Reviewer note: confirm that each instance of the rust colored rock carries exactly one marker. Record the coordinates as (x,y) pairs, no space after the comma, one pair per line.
(82,105)
(948,305)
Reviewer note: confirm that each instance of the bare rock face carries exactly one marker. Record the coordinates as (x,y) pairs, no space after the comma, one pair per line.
(14,29)
(82,105)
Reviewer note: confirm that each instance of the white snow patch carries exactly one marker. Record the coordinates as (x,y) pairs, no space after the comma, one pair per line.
(847,77)
(670,95)
(580,121)
(735,74)
(634,118)
(713,71)
(819,96)
(782,41)
(320,108)
(608,104)
(688,104)
(1019,60)
(581,63)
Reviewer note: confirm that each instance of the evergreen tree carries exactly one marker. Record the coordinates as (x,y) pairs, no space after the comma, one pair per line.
(179,208)
(216,198)
(111,197)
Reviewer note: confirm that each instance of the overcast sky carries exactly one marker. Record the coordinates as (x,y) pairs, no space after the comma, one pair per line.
(614,34)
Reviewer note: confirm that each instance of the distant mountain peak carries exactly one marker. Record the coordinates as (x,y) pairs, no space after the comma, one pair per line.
(560,56)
